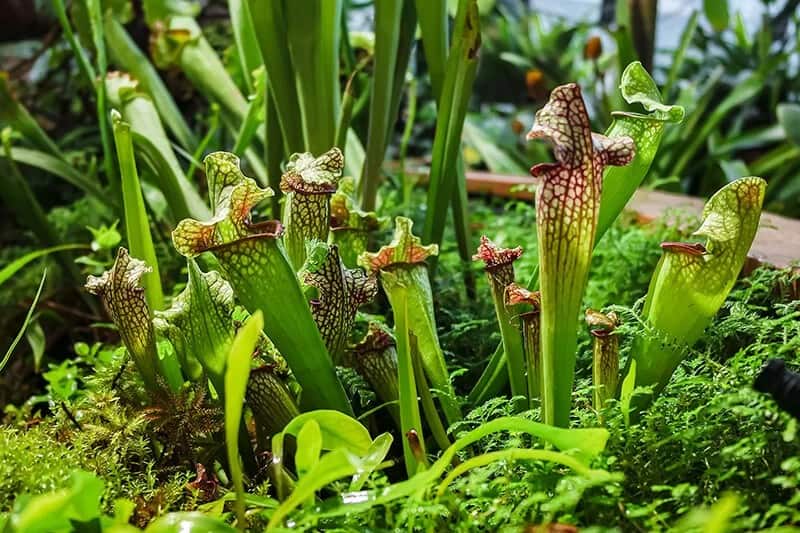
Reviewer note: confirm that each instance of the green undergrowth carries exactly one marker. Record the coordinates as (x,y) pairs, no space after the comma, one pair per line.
(707,435)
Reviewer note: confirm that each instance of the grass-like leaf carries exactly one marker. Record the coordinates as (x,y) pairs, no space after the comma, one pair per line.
(236,376)
(25,323)
(137,223)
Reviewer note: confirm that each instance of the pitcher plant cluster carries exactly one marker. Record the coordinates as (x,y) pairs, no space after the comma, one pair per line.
(302,280)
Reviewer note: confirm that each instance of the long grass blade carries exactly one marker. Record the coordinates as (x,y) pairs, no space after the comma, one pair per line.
(61,169)
(236,376)
(313,32)
(246,42)
(460,74)
(137,225)
(25,323)
(270,25)
(388,16)
(15,115)
(16,265)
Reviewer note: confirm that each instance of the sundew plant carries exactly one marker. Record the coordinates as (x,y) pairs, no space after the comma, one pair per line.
(273,335)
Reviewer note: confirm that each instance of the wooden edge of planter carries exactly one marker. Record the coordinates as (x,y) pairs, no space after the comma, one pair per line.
(777,242)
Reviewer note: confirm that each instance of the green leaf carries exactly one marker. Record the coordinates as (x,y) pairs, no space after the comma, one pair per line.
(388,18)
(410,422)
(236,376)
(789,119)
(372,459)
(716,12)
(519,454)
(61,169)
(309,448)
(254,262)
(313,29)
(271,29)
(60,510)
(16,265)
(137,223)
(332,466)
(199,324)
(692,280)
(567,209)
(25,323)
(188,523)
(583,444)
(15,115)
(626,392)
(337,430)
(444,187)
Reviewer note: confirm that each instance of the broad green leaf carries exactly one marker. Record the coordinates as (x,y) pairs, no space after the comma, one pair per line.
(236,376)
(254,262)
(59,510)
(692,280)
(337,430)
(567,209)
(372,459)
(309,448)
(332,466)
(192,522)
(717,14)
(14,114)
(583,444)
(25,323)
